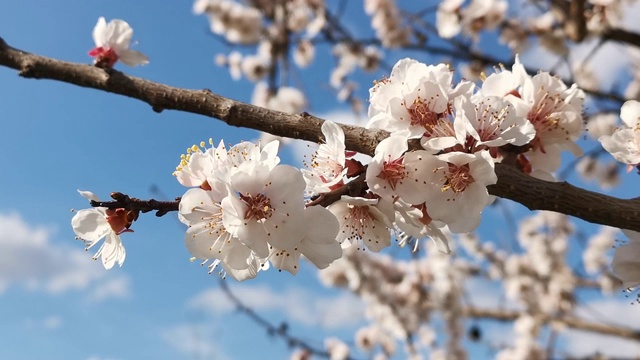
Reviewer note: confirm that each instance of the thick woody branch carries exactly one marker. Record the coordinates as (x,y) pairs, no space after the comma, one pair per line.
(532,193)
(568,321)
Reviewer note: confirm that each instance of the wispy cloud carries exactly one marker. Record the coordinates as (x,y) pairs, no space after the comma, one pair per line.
(195,340)
(297,305)
(117,288)
(51,322)
(29,259)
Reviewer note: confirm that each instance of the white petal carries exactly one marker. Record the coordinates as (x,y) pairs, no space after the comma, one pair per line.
(250,178)
(90,225)
(249,273)
(121,35)
(630,112)
(439,238)
(99,32)
(249,232)
(286,182)
(239,256)
(285,260)
(132,57)
(89,195)
(112,251)
(319,244)
(270,151)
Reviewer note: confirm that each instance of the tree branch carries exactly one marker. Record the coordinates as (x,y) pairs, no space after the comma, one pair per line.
(568,321)
(533,193)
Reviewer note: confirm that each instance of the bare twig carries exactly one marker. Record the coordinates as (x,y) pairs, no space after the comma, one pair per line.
(125,202)
(279,331)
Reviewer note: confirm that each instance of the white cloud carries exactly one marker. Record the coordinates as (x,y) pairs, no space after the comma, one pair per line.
(117,288)
(298,305)
(52,322)
(194,340)
(30,260)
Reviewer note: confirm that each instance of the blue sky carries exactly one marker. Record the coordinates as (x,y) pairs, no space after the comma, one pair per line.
(54,301)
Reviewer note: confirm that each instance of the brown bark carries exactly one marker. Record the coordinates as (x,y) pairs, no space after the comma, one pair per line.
(565,321)
(533,193)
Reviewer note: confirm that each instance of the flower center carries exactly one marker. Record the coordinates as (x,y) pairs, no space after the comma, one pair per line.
(421,114)
(121,219)
(258,207)
(457,178)
(104,57)
(393,172)
(543,120)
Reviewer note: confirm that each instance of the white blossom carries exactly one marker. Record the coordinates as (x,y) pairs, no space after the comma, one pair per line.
(264,207)
(206,237)
(396,172)
(92,225)
(365,220)
(490,121)
(457,188)
(448,18)
(337,349)
(385,17)
(624,143)
(414,102)
(304,53)
(112,44)
(238,23)
(197,165)
(328,162)
(594,256)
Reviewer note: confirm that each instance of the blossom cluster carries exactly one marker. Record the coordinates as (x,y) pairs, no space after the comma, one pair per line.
(112,44)
(245,210)
(512,117)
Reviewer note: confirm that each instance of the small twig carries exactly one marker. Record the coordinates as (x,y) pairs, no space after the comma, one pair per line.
(353,188)
(125,202)
(279,331)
